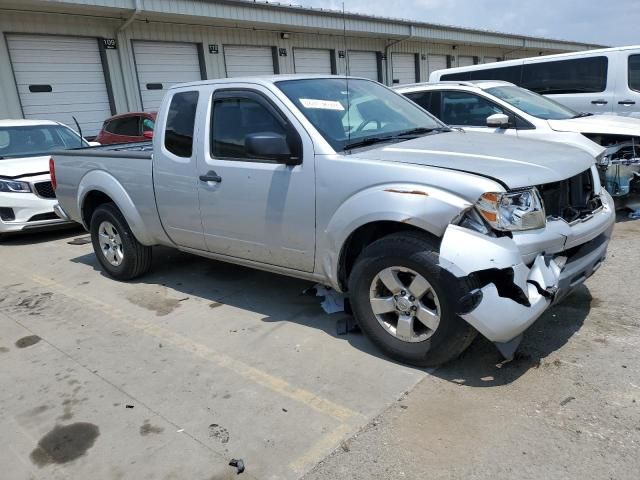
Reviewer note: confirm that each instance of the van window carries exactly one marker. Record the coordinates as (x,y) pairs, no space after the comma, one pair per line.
(508,74)
(178,135)
(634,72)
(580,75)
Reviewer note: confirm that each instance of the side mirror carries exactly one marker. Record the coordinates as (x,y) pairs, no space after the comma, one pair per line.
(148,134)
(271,146)
(498,120)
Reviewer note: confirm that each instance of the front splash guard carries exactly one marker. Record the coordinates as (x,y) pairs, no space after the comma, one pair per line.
(502,320)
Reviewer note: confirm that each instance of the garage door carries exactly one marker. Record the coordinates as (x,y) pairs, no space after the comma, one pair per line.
(242,61)
(363,64)
(491,59)
(309,60)
(404,68)
(60,77)
(437,62)
(465,61)
(162,64)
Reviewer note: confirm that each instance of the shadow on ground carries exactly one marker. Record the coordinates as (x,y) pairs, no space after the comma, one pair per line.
(35,237)
(281,299)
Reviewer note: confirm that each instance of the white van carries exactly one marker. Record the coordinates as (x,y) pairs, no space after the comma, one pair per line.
(594,81)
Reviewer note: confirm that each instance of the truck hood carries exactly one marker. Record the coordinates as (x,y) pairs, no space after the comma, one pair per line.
(514,162)
(605,124)
(24,167)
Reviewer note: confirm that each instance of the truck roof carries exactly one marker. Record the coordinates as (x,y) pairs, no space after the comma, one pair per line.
(263,79)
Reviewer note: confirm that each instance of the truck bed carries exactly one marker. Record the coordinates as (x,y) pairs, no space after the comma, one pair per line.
(135,150)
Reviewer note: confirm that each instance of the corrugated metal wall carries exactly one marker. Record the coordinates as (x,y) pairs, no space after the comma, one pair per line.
(121,63)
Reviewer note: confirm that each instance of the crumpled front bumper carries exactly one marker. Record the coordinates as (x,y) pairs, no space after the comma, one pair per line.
(515,291)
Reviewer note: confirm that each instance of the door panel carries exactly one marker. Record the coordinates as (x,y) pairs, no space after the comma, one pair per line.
(627,100)
(257,210)
(175,170)
(310,60)
(243,60)
(363,64)
(403,68)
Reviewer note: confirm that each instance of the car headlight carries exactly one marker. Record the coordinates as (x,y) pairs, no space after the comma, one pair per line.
(513,211)
(13,186)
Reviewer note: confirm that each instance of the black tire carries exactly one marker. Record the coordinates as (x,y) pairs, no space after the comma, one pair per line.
(419,253)
(136,259)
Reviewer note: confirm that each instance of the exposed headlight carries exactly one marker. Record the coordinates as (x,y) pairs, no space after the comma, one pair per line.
(513,211)
(13,186)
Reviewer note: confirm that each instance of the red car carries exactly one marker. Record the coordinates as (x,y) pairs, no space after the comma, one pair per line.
(127,127)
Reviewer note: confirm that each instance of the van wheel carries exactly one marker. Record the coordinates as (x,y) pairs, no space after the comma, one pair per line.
(405,302)
(118,251)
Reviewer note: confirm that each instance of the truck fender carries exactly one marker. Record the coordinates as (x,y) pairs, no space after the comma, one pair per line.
(425,207)
(101,181)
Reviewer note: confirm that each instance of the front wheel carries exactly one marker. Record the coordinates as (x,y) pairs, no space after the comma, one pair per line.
(405,302)
(118,251)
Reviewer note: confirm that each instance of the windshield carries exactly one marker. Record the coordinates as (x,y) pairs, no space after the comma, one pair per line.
(36,140)
(365,114)
(532,103)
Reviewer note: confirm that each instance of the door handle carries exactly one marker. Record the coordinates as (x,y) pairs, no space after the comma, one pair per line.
(626,102)
(599,102)
(211,176)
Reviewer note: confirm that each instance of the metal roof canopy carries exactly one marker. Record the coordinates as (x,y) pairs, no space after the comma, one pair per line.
(292,18)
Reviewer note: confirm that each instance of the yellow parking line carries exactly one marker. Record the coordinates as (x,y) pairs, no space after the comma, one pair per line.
(169,337)
(320,449)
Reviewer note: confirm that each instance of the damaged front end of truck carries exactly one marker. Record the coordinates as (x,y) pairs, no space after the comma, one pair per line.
(511,277)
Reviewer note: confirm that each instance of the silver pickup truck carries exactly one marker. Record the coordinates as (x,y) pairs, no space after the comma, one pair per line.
(434,234)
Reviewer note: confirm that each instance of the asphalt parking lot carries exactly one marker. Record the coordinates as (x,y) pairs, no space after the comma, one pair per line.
(199,362)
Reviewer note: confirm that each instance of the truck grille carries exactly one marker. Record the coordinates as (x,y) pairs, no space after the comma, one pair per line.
(45,190)
(571,199)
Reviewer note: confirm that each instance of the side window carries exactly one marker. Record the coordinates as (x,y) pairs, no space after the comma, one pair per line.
(236,118)
(507,74)
(148,125)
(634,72)
(466,109)
(178,134)
(128,126)
(580,75)
(421,98)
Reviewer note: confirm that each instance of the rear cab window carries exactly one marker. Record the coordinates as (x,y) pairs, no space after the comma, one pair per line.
(178,134)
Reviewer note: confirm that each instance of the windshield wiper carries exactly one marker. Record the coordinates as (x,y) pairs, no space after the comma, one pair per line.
(368,141)
(423,131)
(582,114)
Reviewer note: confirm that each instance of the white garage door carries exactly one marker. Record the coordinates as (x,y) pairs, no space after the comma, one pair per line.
(161,65)
(465,61)
(491,59)
(363,64)
(59,78)
(243,61)
(309,60)
(404,68)
(437,62)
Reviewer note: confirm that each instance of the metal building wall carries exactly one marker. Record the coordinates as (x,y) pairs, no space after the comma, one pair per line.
(121,62)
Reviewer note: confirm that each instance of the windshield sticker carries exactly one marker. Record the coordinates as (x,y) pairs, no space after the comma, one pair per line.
(321,104)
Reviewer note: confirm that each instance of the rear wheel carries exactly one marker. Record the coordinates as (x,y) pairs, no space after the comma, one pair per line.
(118,251)
(405,302)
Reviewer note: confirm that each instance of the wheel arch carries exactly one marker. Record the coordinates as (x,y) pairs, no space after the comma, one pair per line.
(98,187)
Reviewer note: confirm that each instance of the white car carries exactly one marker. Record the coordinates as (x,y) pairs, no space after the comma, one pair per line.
(26,196)
(494,106)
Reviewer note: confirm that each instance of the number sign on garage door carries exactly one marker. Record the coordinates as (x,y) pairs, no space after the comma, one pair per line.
(404,68)
(363,64)
(243,61)
(310,60)
(59,78)
(162,64)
